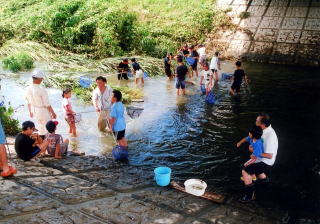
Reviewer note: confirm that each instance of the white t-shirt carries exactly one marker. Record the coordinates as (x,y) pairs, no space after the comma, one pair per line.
(202,51)
(270,144)
(214,63)
(37,96)
(66,106)
(102,100)
(206,77)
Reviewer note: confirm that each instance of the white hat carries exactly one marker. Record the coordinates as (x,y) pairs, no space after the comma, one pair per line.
(38,74)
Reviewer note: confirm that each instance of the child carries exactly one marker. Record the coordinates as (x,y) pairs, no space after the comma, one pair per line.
(137,70)
(194,54)
(202,54)
(215,65)
(256,145)
(238,76)
(68,112)
(207,76)
(123,69)
(167,66)
(181,72)
(117,121)
(56,145)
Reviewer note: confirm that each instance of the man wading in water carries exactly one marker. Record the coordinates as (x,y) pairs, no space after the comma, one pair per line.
(101,99)
(38,103)
(270,144)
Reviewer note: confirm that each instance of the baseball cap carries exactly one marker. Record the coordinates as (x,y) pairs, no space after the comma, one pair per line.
(28,124)
(38,74)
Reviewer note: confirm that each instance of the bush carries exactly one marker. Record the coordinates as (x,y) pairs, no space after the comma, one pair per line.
(18,62)
(10,125)
(244,15)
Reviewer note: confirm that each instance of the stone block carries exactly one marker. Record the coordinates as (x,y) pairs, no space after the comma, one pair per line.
(284,49)
(297,12)
(238,47)
(301,3)
(315,3)
(279,2)
(16,200)
(240,2)
(243,35)
(293,23)
(310,37)
(314,12)
(266,35)
(257,10)
(271,22)
(260,2)
(164,197)
(252,22)
(312,24)
(68,189)
(123,209)
(275,11)
(289,36)
(262,48)
(309,52)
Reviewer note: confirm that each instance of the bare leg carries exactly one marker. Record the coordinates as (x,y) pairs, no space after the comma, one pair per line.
(247,178)
(183,91)
(262,176)
(178,92)
(3,159)
(123,142)
(142,81)
(74,130)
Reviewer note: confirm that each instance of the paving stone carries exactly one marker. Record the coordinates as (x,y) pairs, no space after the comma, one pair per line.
(261,48)
(61,216)
(252,22)
(297,12)
(312,24)
(16,199)
(68,188)
(289,36)
(275,11)
(293,23)
(165,196)
(302,3)
(238,47)
(270,22)
(123,209)
(260,2)
(257,10)
(266,35)
(124,179)
(279,2)
(314,12)
(310,37)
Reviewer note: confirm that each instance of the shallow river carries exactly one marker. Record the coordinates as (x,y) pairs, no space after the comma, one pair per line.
(198,140)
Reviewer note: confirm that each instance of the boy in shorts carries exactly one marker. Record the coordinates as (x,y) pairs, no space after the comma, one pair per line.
(117,121)
(137,71)
(238,76)
(206,75)
(56,145)
(181,73)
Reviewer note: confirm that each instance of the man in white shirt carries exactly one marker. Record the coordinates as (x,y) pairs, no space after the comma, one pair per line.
(38,103)
(270,145)
(202,54)
(101,99)
(215,65)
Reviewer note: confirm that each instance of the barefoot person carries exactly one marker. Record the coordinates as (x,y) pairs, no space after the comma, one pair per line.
(238,76)
(270,145)
(181,73)
(6,170)
(38,103)
(101,99)
(167,66)
(215,65)
(69,114)
(56,145)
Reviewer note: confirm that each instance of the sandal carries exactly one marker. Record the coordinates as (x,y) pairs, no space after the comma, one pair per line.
(13,169)
(6,174)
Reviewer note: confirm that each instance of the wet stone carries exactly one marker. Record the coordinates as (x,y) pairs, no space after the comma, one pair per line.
(61,216)
(123,209)
(310,37)
(266,35)
(68,188)
(171,198)
(122,179)
(261,48)
(31,168)
(16,199)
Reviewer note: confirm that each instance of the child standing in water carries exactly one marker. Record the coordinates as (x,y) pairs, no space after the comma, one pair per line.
(206,75)
(137,71)
(69,114)
(238,76)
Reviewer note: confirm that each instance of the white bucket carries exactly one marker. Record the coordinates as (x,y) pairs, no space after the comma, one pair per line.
(195,186)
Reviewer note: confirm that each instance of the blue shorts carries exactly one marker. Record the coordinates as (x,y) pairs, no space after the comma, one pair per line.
(181,84)
(2,135)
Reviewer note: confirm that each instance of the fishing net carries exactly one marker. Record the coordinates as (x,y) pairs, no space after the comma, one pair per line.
(226,76)
(210,98)
(134,112)
(77,118)
(85,81)
(119,153)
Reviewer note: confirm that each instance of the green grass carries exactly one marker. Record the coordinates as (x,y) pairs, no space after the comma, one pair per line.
(10,125)
(17,62)
(107,28)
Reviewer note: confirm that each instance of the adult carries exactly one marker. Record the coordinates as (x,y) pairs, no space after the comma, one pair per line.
(28,143)
(184,51)
(181,72)
(215,65)
(202,55)
(38,103)
(7,170)
(270,144)
(194,54)
(123,69)
(167,66)
(101,99)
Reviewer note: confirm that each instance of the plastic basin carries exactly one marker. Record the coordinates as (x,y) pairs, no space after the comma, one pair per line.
(195,186)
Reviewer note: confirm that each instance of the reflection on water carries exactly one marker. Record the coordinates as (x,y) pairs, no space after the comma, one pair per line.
(198,140)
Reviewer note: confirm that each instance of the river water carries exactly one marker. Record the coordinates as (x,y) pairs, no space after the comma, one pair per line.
(197,140)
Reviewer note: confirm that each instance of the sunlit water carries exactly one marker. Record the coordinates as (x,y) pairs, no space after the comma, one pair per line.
(197,140)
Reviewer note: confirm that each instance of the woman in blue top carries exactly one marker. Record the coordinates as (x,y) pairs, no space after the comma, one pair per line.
(117,121)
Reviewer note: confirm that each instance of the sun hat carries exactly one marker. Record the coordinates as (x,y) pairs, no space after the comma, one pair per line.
(38,74)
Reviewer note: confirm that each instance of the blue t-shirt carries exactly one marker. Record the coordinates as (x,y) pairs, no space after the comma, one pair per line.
(117,112)
(2,135)
(257,147)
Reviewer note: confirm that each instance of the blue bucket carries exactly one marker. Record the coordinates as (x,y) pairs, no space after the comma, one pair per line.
(119,153)
(162,175)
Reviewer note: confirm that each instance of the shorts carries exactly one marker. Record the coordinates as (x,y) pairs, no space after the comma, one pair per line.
(123,76)
(256,168)
(181,84)
(236,87)
(168,72)
(2,135)
(63,149)
(120,134)
(214,70)
(203,59)
(194,66)
(70,118)
(139,74)
(207,84)
(32,154)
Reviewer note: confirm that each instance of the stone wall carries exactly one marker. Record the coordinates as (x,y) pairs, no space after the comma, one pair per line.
(276,31)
